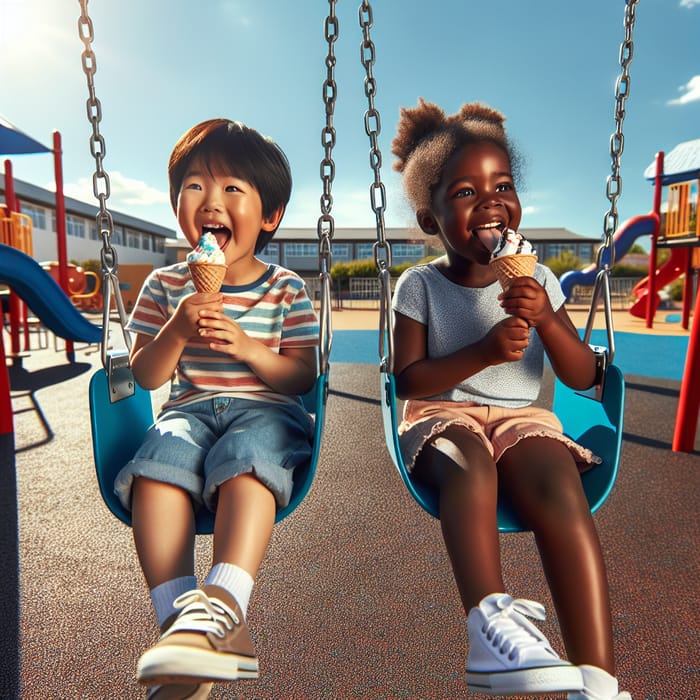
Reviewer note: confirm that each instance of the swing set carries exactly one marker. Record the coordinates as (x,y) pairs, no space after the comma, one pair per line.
(121,411)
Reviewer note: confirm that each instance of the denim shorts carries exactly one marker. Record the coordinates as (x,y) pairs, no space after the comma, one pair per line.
(199,446)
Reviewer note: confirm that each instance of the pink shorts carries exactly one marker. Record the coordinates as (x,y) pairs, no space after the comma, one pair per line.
(499,428)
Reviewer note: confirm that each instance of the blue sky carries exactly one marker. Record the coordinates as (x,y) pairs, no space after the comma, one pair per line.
(164,65)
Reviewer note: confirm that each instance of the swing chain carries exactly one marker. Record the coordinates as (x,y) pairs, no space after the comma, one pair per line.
(613,188)
(326,224)
(116,365)
(382,247)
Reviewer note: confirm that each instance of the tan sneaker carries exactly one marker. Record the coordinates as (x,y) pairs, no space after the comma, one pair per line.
(179,691)
(208,641)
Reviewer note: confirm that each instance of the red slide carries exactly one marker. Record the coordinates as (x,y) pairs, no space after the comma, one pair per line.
(672,269)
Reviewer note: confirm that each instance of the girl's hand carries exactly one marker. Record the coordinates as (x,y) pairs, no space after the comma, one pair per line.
(527,299)
(506,341)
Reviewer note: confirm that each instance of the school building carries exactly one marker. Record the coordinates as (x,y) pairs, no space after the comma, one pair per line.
(141,242)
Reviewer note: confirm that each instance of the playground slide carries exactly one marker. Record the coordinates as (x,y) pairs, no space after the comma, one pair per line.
(44,297)
(672,269)
(624,238)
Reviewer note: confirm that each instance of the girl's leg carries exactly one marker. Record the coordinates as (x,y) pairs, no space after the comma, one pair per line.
(540,477)
(467,482)
(164,530)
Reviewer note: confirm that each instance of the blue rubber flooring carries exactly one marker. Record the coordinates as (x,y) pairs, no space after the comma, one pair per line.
(657,356)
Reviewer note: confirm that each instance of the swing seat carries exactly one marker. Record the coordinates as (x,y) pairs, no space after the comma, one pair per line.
(118,429)
(596,425)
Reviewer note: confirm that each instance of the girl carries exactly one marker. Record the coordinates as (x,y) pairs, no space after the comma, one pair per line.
(469,361)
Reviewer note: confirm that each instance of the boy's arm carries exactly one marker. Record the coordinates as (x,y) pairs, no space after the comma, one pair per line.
(154,358)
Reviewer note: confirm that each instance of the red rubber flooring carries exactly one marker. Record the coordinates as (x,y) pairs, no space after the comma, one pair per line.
(356,597)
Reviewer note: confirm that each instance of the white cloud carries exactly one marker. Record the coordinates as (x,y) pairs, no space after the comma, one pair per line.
(689,3)
(124,192)
(691,90)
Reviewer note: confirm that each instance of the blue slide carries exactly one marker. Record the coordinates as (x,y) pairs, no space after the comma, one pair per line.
(623,240)
(44,297)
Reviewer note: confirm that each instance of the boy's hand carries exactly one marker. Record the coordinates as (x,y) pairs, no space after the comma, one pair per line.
(527,299)
(225,335)
(506,341)
(185,320)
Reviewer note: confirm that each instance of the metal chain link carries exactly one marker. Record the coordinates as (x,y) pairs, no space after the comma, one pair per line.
(601,286)
(617,139)
(326,224)
(382,247)
(101,188)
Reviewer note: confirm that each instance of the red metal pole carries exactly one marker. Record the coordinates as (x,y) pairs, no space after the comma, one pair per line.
(6,423)
(651,286)
(61,227)
(15,301)
(689,398)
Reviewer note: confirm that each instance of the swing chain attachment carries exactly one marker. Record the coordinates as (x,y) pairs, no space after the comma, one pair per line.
(382,247)
(606,253)
(119,376)
(326,224)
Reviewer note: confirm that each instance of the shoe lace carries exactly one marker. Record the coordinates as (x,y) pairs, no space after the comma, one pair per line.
(200,613)
(506,634)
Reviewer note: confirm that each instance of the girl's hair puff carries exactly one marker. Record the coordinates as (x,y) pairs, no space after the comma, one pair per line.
(426,138)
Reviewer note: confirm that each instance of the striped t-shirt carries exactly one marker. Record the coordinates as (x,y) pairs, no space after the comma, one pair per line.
(274,309)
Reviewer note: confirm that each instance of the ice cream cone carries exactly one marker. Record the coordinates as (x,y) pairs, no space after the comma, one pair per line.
(508,267)
(207,277)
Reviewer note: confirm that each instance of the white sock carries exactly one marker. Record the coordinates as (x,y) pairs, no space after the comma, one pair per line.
(597,685)
(163,595)
(238,582)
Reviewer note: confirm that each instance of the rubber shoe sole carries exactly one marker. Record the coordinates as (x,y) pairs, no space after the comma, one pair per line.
(547,679)
(163,665)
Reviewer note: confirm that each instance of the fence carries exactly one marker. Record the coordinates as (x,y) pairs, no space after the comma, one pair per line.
(363,292)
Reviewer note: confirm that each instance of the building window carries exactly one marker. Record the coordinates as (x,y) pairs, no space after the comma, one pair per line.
(365,251)
(118,235)
(300,250)
(408,250)
(133,240)
(146,242)
(37,215)
(94,233)
(341,251)
(270,253)
(158,244)
(75,226)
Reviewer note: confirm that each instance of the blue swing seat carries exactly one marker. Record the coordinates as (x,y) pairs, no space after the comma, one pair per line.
(118,429)
(594,424)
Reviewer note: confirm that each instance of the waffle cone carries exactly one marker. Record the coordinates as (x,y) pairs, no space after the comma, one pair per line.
(509,267)
(207,277)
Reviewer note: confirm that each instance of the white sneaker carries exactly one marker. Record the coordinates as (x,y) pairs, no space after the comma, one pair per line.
(508,655)
(598,685)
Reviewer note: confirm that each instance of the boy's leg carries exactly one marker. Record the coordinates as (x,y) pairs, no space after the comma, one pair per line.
(164,529)
(545,488)
(209,641)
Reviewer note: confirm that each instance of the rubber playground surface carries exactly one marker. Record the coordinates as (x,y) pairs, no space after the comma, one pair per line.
(355,598)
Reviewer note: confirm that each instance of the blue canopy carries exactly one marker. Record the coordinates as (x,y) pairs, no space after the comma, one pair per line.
(680,164)
(15,142)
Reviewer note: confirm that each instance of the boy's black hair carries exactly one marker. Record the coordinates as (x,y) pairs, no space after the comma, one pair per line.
(238,150)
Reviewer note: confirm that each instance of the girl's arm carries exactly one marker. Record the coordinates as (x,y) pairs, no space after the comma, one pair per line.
(572,360)
(418,376)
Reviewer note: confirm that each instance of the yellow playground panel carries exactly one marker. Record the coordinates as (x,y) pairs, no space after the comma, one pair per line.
(16,230)
(681,220)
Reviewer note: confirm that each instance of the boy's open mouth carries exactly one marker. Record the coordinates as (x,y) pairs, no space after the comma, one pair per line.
(221,233)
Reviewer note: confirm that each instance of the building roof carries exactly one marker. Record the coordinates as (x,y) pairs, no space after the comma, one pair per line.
(38,195)
(682,163)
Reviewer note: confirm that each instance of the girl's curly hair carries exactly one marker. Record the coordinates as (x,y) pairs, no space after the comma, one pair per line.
(426,138)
